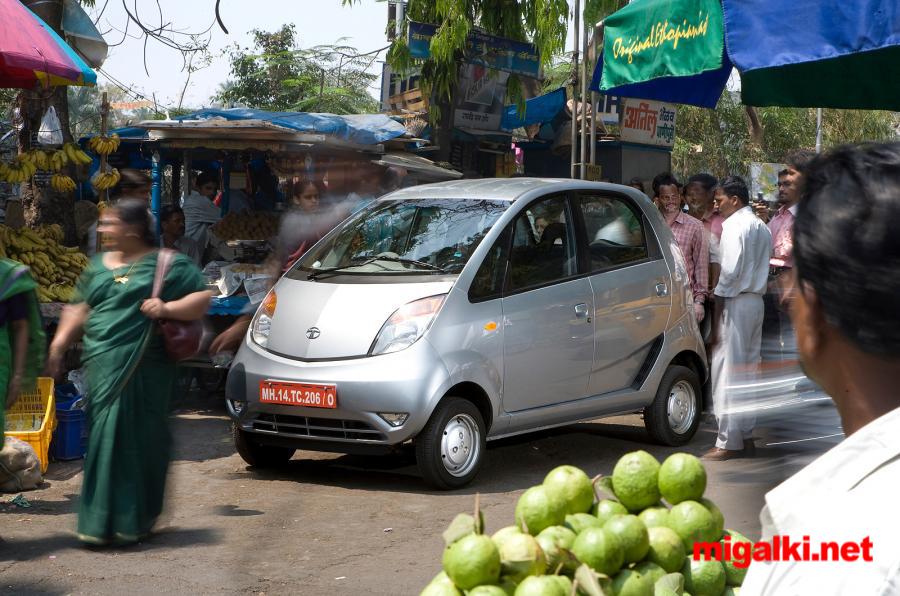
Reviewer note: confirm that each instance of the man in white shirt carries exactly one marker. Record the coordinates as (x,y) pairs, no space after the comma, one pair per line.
(199,210)
(845,313)
(744,255)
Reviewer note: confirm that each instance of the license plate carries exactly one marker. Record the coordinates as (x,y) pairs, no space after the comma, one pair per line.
(298,394)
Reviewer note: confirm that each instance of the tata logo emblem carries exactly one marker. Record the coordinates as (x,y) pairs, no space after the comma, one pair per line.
(313,333)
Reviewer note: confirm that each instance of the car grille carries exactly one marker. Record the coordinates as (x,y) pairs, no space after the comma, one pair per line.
(321,428)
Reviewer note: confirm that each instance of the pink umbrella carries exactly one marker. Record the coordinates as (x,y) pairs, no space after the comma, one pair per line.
(32,53)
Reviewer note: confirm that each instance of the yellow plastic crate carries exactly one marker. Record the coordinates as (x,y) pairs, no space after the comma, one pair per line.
(33,419)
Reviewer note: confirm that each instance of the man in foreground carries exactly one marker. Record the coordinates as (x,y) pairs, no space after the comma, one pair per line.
(848,334)
(744,254)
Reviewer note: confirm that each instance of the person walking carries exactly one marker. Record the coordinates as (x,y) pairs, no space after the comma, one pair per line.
(21,335)
(690,236)
(848,336)
(745,248)
(129,376)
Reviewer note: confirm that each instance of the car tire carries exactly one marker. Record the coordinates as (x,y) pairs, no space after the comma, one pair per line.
(451,447)
(257,455)
(674,416)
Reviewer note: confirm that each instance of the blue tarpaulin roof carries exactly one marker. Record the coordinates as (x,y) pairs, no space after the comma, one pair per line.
(362,129)
(543,108)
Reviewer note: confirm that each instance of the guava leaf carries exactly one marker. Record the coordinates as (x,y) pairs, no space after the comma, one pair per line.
(671,584)
(592,583)
(603,483)
(461,526)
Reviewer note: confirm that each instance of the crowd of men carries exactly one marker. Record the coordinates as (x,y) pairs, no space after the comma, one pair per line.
(738,257)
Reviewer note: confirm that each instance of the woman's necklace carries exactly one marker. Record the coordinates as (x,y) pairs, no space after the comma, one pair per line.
(123,279)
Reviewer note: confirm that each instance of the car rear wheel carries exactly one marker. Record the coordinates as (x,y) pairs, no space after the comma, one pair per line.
(674,416)
(256,454)
(450,448)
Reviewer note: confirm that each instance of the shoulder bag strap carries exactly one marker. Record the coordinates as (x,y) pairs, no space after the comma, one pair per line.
(163,261)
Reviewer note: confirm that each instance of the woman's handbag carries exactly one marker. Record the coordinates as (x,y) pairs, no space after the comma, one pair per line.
(181,338)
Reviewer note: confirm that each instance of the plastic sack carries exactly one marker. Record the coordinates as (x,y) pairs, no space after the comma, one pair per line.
(50,132)
(20,468)
(76,378)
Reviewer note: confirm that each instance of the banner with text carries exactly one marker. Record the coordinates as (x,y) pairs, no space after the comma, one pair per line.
(647,122)
(482,92)
(517,57)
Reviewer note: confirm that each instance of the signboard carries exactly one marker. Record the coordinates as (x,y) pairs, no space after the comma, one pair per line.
(482,92)
(608,108)
(764,179)
(647,122)
(130,105)
(517,57)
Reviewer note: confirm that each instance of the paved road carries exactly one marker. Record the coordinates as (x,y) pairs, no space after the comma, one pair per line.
(331,524)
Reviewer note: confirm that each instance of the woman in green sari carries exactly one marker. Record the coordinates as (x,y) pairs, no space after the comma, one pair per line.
(129,376)
(21,335)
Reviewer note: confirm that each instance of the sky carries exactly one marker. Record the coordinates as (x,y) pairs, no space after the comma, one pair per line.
(317,21)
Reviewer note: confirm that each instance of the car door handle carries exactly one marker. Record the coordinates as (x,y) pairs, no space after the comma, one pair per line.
(581,312)
(661,289)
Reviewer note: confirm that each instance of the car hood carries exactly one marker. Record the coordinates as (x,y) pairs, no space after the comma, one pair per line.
(347,316)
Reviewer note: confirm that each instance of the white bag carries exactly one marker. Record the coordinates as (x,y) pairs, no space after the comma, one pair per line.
(50,132)
(20,468)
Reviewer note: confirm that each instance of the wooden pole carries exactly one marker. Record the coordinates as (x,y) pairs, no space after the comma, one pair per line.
(104,194)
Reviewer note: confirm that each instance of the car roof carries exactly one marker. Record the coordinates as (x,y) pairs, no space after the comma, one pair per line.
(504,189)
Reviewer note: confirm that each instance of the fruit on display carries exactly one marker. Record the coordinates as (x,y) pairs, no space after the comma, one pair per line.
(563,544)
(19,170)
(53,266)
(62,183)
(105,179)
(246,226)
(104,145)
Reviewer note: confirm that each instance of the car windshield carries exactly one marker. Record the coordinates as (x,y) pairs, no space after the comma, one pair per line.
(422,236)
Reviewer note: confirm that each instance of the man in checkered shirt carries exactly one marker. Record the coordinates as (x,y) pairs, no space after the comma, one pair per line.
(689,234)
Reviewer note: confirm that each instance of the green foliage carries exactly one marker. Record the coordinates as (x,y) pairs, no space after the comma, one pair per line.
(718,141)
(276,74)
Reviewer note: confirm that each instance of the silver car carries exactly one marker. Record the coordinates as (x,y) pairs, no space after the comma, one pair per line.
(450,314)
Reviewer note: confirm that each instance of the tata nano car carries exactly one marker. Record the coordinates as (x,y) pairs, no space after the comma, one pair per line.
(450,314)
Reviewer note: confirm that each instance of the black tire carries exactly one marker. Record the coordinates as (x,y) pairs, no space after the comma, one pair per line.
(452,411)
(256,454)
(656,416)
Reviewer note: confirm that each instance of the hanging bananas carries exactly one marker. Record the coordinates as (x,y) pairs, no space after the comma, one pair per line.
(105,180)
(75,155)
(21,169)
(102,145)
(62,183)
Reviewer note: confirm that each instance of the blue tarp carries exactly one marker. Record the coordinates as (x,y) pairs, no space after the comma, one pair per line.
(537,110)
(362,129)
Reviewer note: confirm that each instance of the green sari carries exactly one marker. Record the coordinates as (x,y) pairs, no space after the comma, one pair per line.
(16,279)
(130,380)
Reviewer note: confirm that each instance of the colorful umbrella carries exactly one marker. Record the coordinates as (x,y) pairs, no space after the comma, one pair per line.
(809,53)
(32,53)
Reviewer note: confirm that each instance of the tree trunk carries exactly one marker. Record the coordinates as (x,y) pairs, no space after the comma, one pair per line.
(756,129)
(43,205)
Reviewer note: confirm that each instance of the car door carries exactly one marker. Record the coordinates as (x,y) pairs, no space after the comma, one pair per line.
(548,331)
(630,284)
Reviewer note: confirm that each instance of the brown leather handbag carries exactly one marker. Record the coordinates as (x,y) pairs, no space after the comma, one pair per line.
(181,338)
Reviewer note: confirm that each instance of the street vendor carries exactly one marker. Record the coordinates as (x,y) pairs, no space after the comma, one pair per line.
(200,212)
(171,219)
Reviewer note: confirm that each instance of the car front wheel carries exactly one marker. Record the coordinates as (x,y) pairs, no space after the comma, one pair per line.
(674,416)
(451,447)
(256,454)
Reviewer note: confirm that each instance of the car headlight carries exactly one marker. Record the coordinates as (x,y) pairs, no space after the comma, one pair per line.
(406,325)
(262,320)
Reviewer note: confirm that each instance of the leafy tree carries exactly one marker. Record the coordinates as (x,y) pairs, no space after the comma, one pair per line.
(276,74)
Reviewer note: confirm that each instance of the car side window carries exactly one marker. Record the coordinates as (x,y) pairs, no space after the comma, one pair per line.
(543,245)
(615,232)
(488,280)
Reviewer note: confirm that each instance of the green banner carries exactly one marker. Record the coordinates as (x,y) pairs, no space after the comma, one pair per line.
(649,39)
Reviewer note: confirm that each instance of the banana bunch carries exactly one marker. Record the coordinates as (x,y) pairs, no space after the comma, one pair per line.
(104,180)
(62,183)
(102,145)
(39,158)
(20,170)
(75,155)
(54,267)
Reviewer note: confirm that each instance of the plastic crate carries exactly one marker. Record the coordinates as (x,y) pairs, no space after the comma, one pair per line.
(33,418)
(71,434)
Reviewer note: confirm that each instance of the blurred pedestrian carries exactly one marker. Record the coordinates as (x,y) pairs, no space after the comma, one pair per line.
(129,376)
(171,219)
(200,212)
(745,247)
(638,184)
(21,334)
(848,334)
(690,236)
(367,189)
(777,329)
(304,224)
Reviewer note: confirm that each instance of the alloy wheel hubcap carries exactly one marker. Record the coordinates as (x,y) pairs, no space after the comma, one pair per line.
(460,445)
